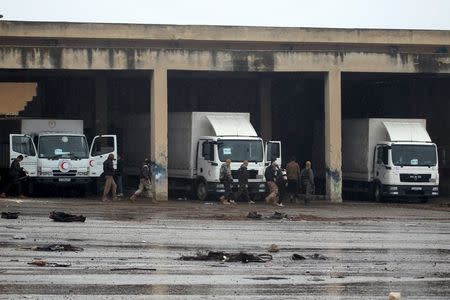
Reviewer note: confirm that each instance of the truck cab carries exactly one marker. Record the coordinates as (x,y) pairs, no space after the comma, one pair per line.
(406,169)
(60,158)
(213,151)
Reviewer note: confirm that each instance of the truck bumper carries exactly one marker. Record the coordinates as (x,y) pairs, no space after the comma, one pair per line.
(410,190)
(253,187)
(65,181)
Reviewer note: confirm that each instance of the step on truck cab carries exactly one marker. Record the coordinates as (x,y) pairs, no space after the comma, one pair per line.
(389,157)
(200,142)
(56,152)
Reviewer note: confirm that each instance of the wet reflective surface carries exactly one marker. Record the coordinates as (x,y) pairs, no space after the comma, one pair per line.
(370,249)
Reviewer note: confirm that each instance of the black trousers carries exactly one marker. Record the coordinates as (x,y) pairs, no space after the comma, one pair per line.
(243,192)
(13,182)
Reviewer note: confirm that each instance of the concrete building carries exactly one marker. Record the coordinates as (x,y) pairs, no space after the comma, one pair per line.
(104,70)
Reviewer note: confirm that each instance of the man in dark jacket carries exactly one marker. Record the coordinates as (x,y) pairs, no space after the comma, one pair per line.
(226,179)
(243,183)
(271,176)
(307,181)
(14,176)
(108,171)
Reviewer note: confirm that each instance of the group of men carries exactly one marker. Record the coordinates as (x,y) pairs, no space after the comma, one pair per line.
(145,184)
(292,181)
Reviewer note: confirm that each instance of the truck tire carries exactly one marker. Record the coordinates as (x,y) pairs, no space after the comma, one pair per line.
(202,190)
(377,192)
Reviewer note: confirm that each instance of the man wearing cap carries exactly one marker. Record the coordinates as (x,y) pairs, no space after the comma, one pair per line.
(145,183)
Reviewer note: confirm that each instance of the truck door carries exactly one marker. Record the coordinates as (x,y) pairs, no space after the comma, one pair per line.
(205,159)
(102,146)
(273,150)
(21,144)
(381,162)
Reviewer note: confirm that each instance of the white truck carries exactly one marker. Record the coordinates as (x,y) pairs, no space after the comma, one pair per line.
(389,158)
(56,152)
(199,142)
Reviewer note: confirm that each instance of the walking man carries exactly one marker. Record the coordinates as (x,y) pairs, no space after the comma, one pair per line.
(15,173)
(145,183)
(227,179)
(293,177)
(110,185)
(243,183)
(307,181)
(271,176)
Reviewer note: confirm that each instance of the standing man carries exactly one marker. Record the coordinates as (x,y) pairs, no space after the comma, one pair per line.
(15,172)
(118,176)
(293,177)
(145,183)
(227,179)
(307,181)
(243,183)
(108,171)
(271,176)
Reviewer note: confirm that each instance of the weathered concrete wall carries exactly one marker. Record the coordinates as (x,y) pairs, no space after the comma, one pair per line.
(211,60)
(222,33)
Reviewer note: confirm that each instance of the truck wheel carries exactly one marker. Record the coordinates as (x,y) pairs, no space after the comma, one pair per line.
(377,192)
(202,190)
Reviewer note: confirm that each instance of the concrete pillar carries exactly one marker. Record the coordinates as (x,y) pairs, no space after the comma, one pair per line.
(101,106)
(265,104)
(158,137)
(333,136)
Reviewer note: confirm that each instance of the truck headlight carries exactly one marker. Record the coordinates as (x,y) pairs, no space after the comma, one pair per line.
(393,188)
(220,186)
(435,189)
(262,186)
(259,176)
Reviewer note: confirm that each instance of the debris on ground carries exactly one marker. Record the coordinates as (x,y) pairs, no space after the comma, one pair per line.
(132,269)
(277,216)
(296,256)
(229,257)
(44,263)
(315,256)
(59,216)
(20,237)
(254,215)
(274,248)
(267,278)
(57,247)
(10,215)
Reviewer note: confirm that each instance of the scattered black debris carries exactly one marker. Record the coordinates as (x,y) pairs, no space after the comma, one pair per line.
(59,216)
(277,216)
(44,263)
(274,248)
(315,256)
(229,257)
(254,215)
(267,278)
(132,269)
(296,256)
(14,260)
(58,247)
(10,215)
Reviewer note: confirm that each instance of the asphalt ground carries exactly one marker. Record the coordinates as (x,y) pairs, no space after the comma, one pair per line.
(133,250)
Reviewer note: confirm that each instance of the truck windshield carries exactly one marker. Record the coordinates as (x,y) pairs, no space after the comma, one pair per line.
(63,146)
(240,150)
(414,155)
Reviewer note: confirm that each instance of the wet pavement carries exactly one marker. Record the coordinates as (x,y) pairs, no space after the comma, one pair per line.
(132,250)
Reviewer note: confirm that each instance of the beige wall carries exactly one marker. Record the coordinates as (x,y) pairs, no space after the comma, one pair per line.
(14,96)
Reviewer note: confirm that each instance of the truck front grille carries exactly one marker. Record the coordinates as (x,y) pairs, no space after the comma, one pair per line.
(415,177)
(69,173)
